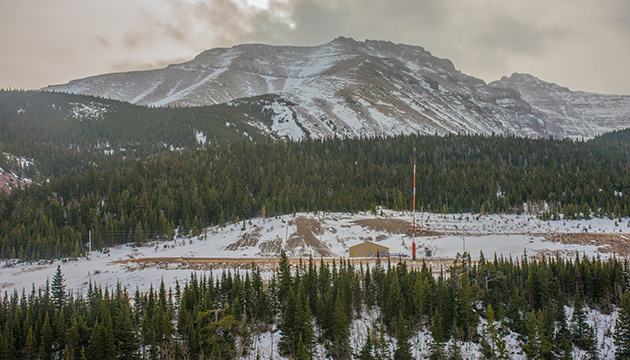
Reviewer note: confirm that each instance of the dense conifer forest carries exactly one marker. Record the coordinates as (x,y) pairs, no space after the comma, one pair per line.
(622,136)
(314,304)
(188,190)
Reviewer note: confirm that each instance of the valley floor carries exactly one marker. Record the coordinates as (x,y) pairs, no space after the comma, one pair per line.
(257,242)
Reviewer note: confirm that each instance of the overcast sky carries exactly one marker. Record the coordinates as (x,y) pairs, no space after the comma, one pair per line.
(581,44)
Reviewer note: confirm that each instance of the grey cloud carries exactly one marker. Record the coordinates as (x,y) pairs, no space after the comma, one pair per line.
(510,36)
(620,17)
(485,38)
(403,20)
(103,42)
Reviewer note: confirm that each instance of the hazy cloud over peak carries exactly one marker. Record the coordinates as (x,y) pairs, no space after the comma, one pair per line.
(581,44)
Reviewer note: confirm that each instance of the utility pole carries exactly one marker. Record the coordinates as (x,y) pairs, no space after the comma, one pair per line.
(90,243)
(413,245)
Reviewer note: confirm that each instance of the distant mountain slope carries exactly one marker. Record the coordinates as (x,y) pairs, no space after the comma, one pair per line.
(574,113)
(371,88)
(51,134)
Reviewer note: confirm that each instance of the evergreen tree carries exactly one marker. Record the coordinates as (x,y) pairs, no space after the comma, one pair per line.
(301,350)
(29,346)
(437,329)
(296,324)
(533,345)
(367,351)
(543,335)
(403,348)
(381,348)
(340,346)
(125,335)
(394,300)
(47,338)
(454,351)
(58,288)
(467,319)
(288,326)
(7,343)
(581,332)
(284,277)
(562,336)
(60,331)
(101,345)
(492,338)
(73,338)
(622,328)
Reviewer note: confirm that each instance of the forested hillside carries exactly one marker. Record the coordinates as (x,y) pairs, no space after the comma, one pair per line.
(188,190)
(64,133)
(315,304)
(622,136)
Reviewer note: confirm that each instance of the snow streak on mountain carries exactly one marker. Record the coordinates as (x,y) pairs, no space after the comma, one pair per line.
(363,89)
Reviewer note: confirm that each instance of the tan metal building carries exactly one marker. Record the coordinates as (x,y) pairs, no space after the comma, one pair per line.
(368,249)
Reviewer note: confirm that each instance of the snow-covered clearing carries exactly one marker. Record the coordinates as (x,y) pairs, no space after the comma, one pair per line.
(328,235)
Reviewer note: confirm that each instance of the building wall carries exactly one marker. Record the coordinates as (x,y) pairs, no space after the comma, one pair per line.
(367,249)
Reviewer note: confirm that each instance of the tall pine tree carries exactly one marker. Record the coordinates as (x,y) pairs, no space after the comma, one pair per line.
(622,328)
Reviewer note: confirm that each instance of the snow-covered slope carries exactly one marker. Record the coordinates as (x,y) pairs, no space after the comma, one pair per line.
(572,112)
(351,88)
(259,241)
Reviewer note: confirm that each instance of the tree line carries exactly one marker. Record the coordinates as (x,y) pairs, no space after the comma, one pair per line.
(313,305)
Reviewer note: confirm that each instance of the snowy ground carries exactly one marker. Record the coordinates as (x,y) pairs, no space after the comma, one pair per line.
(330,234)
(241,244)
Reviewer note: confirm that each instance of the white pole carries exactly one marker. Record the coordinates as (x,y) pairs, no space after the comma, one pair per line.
(90,243)
(413,245)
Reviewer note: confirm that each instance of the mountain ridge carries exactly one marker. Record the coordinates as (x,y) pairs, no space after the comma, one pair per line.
(370,88)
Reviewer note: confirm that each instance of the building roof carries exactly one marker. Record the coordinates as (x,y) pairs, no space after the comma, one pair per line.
(368,242)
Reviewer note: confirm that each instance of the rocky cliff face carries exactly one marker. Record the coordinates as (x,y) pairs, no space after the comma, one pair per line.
(371,88)
(571,113)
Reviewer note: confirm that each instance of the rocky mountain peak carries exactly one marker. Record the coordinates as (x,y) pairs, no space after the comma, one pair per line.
(364,88)
(521,81)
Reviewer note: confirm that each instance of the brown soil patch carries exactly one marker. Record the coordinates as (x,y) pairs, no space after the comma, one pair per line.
(304,238)
(394,226)
(271,247)
(172,263)
(246,240)
(606,243)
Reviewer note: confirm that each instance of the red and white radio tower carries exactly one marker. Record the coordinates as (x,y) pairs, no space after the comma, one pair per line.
(413,245)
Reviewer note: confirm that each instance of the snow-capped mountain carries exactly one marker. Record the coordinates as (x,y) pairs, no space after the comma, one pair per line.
(573,113)
(371,88)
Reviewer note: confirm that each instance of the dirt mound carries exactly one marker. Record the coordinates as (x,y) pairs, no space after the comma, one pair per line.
(246,240)
(606,243)
(271,247)
(304,239)
(394,226)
